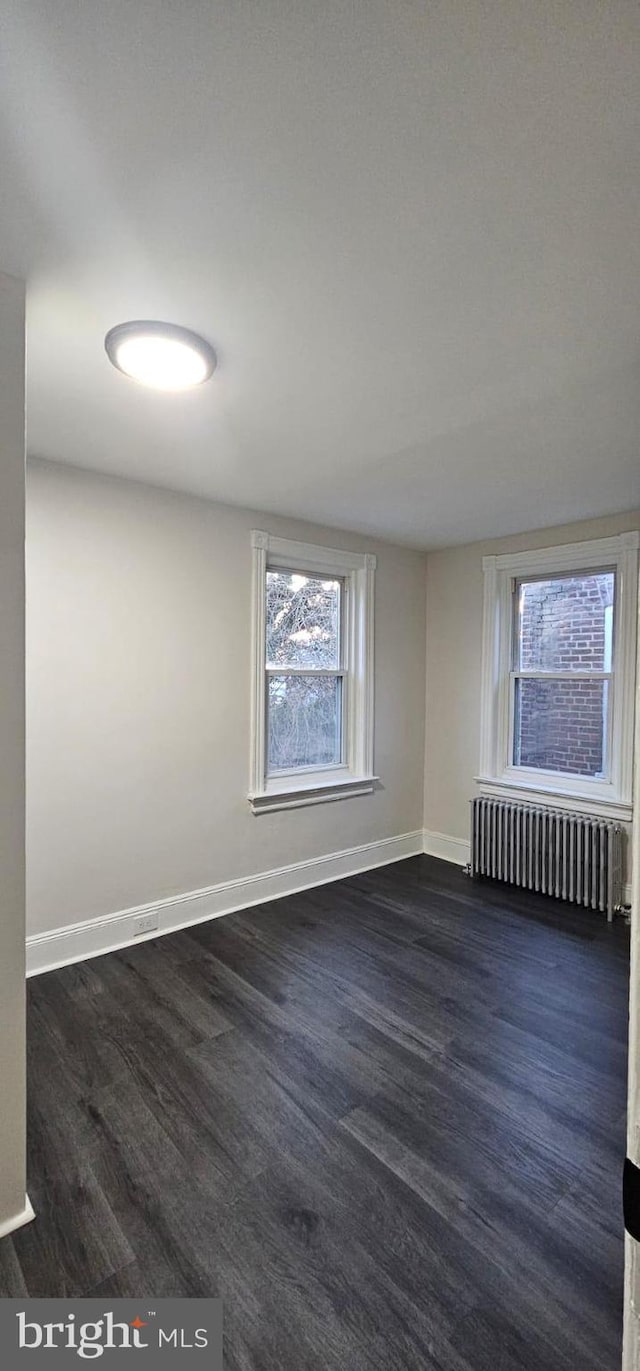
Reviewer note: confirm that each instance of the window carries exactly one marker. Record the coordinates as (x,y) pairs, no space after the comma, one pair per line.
(305,675)
(313,674)
(562,674)
(558,674)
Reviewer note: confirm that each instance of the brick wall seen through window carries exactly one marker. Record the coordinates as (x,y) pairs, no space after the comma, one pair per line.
(565,625)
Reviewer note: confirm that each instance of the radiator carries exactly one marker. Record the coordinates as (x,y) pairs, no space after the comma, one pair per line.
(566,855)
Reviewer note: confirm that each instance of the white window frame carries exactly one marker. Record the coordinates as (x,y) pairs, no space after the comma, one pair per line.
(354,776)
(610,797)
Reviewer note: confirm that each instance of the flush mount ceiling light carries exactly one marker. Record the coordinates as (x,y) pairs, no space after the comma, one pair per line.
(163,356)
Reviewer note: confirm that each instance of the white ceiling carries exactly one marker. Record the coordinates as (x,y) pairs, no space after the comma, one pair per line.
(409,227)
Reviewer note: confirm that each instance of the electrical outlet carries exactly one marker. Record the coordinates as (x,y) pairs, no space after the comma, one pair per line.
(146,923)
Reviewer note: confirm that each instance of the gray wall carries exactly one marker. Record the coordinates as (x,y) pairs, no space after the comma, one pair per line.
(138,697)
(12,1049)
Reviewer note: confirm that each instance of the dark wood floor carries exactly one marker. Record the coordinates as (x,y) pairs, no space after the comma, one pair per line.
(384,1120)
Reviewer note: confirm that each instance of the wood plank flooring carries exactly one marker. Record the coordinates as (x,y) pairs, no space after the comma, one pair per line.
(383,1119)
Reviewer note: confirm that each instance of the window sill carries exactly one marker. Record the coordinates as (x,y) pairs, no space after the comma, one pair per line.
(577,802)
(292,795)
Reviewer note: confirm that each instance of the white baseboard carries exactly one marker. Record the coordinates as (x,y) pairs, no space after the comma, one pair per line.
(91,938)
(18,1220)
(457,850)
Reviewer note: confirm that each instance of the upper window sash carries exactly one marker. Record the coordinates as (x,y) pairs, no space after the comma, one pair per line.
(496,771)
(318,575)
(564,575)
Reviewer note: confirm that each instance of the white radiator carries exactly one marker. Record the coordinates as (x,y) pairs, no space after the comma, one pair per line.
(566,855)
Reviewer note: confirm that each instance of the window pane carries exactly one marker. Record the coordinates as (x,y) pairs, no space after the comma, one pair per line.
(562,726)
(566,624)
(304,719)
(303,620)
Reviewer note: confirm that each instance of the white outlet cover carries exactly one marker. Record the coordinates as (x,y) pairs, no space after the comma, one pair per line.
(146,923)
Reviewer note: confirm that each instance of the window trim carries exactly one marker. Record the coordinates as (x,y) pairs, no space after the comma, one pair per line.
(291,790)
(497,775)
